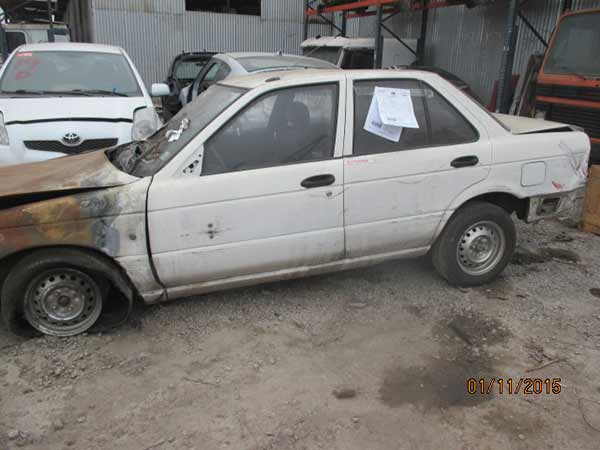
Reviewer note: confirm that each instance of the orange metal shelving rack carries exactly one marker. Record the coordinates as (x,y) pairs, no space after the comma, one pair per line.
(382,9)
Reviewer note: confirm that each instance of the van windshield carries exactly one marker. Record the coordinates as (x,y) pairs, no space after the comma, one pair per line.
(329,54)
(574,50)
(69,73)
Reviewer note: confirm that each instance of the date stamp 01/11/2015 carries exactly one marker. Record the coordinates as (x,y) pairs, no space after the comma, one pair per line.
(513,386)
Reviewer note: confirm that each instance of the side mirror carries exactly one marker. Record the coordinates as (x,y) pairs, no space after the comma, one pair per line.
(160,90)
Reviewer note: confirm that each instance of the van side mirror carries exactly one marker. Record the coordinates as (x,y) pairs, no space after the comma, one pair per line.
(160,90)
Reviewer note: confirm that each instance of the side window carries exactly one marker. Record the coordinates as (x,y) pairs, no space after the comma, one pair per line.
(212,72)
(365,142)
(14,39)
(448,126)
(206,78)
(282,127)
(439,122)
(222,73)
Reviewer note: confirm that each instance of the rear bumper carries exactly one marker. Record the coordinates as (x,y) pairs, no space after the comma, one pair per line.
(554,205)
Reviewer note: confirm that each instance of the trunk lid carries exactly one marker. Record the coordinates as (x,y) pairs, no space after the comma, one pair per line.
(526,125)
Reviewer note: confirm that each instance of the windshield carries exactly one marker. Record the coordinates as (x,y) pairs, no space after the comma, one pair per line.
(575,48)
(258,63)
(189,69)
(145,158)
(69,72)
(359,58)
(329,54)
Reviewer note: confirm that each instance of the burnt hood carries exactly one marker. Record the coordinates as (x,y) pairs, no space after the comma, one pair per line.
(70,173)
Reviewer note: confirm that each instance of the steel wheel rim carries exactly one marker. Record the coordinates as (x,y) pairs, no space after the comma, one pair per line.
(480,248)
(62,302)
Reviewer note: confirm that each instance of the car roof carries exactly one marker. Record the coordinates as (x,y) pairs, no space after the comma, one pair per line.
(70,47)
(236,55)
(441,72)
(237,58)
(299,76)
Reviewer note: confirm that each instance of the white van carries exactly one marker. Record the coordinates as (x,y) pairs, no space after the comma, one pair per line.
(67,98)
(14,35)
(359,53)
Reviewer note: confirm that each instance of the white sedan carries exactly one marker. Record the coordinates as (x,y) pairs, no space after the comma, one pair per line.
(275,176)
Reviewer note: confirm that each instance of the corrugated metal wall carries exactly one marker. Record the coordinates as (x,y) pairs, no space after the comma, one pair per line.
(154,31)
(468,42)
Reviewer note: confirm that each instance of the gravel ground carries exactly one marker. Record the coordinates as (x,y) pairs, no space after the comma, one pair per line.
(374,358)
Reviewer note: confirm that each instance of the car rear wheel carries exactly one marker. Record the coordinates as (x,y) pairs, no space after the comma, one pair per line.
(476,245)
(52,296)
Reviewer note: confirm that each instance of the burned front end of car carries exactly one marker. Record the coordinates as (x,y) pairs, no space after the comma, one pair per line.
(93,214)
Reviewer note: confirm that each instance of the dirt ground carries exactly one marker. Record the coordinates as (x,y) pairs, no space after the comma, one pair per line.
(368,359)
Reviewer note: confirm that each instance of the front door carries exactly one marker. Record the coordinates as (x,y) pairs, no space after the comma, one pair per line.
(397,190)
(269,197)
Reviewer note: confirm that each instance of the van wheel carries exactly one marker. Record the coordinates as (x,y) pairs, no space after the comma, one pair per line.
(53,296)
(476,245)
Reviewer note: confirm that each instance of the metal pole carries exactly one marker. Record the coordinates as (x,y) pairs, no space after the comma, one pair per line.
(51,21)
(532,29)
(506,65)
(344,24)
(305,22)
(399,39)
(422,38)
(377,63)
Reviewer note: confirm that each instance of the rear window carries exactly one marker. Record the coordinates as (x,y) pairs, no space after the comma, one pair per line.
(257,63)
(189,69)
(69,71)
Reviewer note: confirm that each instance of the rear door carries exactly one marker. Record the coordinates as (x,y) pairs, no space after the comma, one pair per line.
(396,193)
(269,197)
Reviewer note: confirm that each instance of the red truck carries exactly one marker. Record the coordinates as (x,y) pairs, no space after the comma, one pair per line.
(568,84)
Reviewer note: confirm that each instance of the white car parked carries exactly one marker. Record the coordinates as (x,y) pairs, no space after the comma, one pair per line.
(226,65)
(275,176)
(66,98)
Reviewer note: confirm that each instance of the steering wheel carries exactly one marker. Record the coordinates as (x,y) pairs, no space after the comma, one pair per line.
(299,154)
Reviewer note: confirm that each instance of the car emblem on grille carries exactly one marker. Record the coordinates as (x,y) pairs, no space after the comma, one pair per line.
(71,139)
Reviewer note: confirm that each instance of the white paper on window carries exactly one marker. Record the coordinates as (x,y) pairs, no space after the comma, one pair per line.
(390,111)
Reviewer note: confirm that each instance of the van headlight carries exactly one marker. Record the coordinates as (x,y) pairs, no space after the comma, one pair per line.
(145,123)
(3,132)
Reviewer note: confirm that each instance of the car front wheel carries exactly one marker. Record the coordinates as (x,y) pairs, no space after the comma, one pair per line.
(476,245)
(54,297)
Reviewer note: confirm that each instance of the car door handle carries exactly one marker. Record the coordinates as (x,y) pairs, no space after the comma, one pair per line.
(465,161)
(318,181)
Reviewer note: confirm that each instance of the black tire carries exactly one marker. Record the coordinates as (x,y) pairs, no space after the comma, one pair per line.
(448,257)
(28,270)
